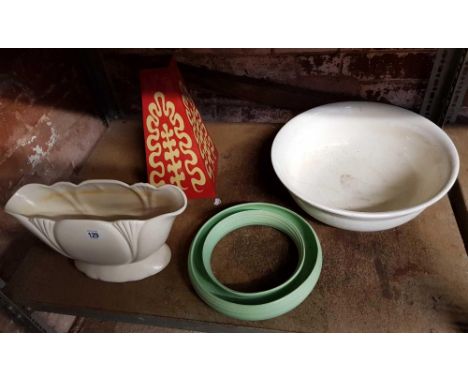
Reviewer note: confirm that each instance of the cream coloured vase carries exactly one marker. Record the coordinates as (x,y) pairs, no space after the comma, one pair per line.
(113,231)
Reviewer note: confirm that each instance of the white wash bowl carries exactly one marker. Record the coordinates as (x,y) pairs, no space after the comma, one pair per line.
(114,231)
(364,166)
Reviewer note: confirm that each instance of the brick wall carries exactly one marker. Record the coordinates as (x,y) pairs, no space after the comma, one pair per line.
(397,76)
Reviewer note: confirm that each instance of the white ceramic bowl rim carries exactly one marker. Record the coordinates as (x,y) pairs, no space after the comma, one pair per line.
(114,182)
(383,214)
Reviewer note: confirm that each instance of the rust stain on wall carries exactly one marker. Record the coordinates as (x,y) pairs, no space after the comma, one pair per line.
(388,66)
(320,64)
(401,93)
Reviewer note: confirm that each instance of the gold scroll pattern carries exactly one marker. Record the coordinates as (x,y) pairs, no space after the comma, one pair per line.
(207,149)
(161,139)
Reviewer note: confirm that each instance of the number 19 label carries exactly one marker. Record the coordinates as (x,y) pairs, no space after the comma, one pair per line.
(93,234)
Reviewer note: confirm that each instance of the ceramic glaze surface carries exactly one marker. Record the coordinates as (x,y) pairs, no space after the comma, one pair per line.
(364,166)
(113,231)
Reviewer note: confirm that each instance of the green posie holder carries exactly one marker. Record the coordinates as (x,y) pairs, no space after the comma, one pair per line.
(264,304)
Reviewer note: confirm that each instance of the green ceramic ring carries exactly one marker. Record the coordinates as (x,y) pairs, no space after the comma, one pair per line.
(245,219)
(260,305)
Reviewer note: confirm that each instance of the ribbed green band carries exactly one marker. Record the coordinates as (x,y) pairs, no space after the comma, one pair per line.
(258,305)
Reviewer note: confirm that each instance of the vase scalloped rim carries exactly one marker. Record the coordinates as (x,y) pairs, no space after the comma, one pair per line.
(103,181)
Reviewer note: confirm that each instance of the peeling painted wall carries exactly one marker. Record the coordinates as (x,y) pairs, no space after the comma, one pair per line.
(47,124)
(397,76)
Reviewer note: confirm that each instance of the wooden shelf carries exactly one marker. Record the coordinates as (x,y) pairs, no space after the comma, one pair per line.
(459,193)
(413,278)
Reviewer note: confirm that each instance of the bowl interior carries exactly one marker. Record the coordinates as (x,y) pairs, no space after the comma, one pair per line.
(363,156)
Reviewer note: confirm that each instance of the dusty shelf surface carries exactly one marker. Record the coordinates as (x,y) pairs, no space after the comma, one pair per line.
(459,192)
(459,136)
(410,279)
